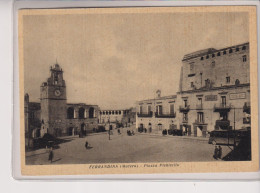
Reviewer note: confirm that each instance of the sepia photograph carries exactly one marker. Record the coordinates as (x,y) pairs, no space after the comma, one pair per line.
(138,90)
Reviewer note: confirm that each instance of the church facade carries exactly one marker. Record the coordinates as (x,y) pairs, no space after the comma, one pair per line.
(54,115)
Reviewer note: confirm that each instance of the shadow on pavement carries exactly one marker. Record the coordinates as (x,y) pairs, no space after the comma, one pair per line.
(242,152)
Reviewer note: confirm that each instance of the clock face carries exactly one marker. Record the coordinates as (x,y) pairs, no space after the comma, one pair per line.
(57,92)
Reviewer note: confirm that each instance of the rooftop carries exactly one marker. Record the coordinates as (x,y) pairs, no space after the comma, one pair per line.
(208,51)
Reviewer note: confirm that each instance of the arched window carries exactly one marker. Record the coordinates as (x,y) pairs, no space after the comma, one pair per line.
(225,52)
(207,57)
(119,112)
(106,112)
(81,113)
(109,112)
(237,49)
(70,113)
(244,47)
(113,112)
(213,55)
(116,112)
(237,82)
(230,51)
(202,58)
(218,54)
(91,112)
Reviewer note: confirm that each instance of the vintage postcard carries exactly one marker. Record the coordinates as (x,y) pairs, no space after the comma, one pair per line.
(138,90)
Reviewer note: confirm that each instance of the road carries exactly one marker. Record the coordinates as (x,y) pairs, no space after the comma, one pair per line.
(126,149)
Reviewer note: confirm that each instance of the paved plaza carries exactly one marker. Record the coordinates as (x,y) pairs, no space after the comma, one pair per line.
(126,149)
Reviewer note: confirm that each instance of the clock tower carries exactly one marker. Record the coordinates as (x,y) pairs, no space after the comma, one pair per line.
(53,103)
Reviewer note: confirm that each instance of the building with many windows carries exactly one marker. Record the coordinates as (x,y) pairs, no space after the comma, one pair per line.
(214,90)
(214,94)
(155,115)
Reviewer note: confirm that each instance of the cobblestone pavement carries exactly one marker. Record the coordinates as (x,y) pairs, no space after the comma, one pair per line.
(127,149)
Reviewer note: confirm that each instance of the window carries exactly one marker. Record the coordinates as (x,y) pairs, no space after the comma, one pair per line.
(191,84)
(149,109)
(113,112)
(185,103)
(230,51)
(244,58)
(185,117)
(109,112)
(116,112)
(207,82)
(200,101)
(119,112)
(223,101)
(200,117)
(218,54)
(81,113)
(244,48)
(91,112)
(191,67)
(224,53)
(207,57)
(56,79)
(213,55)
(141,109)
(70,113)
(171,109)
(228,79)
(237,49)
(159,110)
(202,58)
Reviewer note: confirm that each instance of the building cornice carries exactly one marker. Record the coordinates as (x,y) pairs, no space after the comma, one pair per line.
(215,88)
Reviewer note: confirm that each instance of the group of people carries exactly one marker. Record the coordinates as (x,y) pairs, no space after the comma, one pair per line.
(217,152)
(130,133)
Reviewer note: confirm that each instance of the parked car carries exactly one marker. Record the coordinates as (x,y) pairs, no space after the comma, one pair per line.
(220,137)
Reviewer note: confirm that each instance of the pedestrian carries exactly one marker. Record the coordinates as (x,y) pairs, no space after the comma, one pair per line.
(51,155)
(86,145)
(219,152)
(215,156)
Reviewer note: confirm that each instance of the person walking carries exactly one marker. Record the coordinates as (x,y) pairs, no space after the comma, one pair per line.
(51,155)
(219,152)
(215,156)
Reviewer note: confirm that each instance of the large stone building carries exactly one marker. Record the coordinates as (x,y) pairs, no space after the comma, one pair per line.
(214,90)
(214,93)
(54,115)
(155,115)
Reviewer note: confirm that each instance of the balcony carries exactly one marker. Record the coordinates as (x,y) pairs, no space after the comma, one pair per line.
(199,107)
(222,107)
(246,120)
(145,114)
(247,107)
(199,122)
(185,121)
(223,124)
(162,115)
(184,108)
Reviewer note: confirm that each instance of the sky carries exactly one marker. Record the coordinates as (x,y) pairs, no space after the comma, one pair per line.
(114,60)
